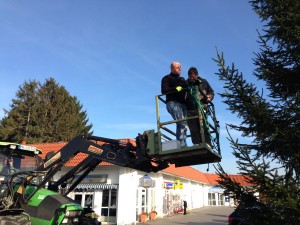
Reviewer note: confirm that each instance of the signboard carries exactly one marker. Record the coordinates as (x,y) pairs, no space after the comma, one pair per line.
(216,189)
(168,185)
(146,181)
(180,185)
(176,184)
(94,178)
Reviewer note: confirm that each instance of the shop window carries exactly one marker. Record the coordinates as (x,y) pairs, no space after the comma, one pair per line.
(212,199)
(88,201)
(78,198)
(172,203)
(144,201)
(109,206)
(221,199)
(85,199)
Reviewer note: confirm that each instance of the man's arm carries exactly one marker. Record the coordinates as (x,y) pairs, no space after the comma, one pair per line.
(210,93)
(165,87)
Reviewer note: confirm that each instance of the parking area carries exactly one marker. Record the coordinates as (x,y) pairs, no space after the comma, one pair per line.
(210,215)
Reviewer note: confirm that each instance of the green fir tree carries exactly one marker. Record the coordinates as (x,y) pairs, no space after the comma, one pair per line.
(44,113)
(271,162)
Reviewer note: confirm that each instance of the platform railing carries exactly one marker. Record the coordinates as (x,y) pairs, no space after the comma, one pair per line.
(165,133)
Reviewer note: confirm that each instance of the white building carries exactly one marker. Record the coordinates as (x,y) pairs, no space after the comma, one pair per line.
(119,195)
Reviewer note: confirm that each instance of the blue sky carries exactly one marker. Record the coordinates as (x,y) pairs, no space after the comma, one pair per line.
(112,54)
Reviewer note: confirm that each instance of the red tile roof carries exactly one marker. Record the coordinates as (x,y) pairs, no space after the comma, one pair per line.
(212,178)
(184,172)
(187,172)
(240,179)
(49,147)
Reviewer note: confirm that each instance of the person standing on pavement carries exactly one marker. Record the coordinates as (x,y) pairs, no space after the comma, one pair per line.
(206,95)
(172,85)
(184,207)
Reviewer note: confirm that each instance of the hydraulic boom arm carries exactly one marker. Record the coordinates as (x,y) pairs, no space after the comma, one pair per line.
(98,149)
(112,151)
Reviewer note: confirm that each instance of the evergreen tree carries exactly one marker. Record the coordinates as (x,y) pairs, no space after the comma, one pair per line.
(17,125)
(272,121)
(44,113)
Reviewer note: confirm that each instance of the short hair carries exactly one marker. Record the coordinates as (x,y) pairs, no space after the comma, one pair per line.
(193,70)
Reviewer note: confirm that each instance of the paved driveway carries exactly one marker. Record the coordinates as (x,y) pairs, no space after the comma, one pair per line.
(210,215)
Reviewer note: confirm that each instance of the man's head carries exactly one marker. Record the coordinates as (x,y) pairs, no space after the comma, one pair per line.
(175,68)
(9,160)
(193,74)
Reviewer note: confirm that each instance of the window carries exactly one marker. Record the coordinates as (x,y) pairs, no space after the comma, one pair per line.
(88,200)
(109,205)
(212,199)
(220,199)
(85,199)
(142,202)
(78,198)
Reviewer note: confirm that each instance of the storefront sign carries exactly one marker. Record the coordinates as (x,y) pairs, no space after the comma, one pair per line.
(180,185)
(94,178)
(216,189)
(176,184)
(146,181)
(168,185)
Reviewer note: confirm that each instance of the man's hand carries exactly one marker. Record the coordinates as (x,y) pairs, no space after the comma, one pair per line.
(178,88)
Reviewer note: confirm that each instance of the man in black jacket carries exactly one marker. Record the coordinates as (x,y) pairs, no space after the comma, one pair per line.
(206,95)
(184,207)
(172,85)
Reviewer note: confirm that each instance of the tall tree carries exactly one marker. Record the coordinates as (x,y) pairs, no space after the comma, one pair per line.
(44,113)
(272,121)
(23,109)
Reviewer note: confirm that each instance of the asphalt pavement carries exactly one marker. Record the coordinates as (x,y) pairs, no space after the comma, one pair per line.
(209,215)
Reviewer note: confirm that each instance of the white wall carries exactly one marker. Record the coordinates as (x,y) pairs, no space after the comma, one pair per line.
(196,194)
(160,193)
(127,197)
(205,195)
(98,201)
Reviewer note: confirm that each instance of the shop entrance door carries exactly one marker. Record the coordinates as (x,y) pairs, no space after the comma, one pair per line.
(212,199)
(141,205)
(109,207)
